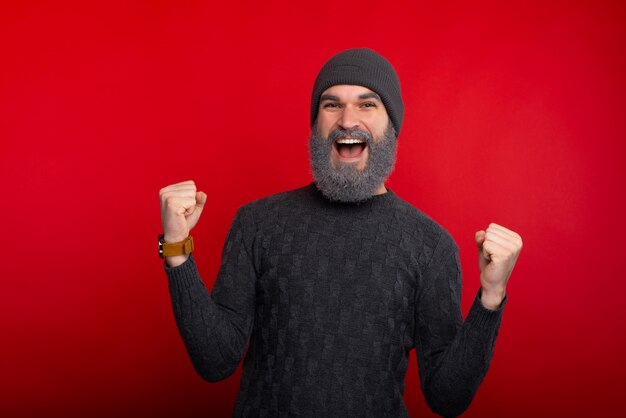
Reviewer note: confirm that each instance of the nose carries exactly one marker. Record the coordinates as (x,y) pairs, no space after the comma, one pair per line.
(349,118)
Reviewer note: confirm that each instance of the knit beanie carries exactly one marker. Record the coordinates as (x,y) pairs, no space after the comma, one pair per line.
(361,67)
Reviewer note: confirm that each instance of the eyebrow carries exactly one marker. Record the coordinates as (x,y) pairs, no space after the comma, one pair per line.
(364,96)
(371,95)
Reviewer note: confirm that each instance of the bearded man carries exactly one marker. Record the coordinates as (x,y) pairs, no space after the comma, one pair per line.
(327,288)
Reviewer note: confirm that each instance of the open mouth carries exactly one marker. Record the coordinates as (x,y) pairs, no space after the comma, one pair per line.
(350,147)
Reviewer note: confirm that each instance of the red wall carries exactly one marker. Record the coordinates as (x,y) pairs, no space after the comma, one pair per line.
(514,114)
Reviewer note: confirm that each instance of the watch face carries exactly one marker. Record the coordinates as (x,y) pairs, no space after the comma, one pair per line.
(161,245)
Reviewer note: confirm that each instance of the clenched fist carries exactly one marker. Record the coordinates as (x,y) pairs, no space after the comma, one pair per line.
(181,206)
(498,249)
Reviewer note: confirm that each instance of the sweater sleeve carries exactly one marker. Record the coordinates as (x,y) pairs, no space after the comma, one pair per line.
(216,327)
(453,356)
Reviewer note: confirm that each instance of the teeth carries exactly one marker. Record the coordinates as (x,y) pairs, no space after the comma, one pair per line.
(349,141)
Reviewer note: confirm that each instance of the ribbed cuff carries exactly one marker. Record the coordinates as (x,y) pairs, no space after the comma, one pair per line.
(482,317)
(184,275)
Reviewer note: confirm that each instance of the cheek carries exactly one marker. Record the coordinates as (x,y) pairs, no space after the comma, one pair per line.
(325,124)
(378,124)
(324,131)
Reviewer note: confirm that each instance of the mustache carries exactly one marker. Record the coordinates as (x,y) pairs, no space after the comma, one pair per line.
(351,133)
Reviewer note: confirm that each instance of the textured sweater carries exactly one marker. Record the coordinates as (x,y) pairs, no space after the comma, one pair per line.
(326,300)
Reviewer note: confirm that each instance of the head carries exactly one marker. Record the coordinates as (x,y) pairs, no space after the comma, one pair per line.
(356,114)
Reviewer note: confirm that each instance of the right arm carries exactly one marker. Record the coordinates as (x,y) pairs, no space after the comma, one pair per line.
(215,328)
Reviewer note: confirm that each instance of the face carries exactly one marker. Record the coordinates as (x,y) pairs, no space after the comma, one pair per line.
(352,145)
(351,108)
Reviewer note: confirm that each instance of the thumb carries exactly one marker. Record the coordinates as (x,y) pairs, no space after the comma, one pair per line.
(192,219)
(480,238)
(483,258)
(200,200)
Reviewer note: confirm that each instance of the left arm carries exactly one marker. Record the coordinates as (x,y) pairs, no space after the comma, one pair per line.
(454,355)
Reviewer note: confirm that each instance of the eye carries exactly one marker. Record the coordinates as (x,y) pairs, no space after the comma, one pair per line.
(330,105)
(369,104)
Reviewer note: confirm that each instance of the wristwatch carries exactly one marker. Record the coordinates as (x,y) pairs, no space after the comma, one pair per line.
(168,249)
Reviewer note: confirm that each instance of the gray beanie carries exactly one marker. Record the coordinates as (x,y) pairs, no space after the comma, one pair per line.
(361,67)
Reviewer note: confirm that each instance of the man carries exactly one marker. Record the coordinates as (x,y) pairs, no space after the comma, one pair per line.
(329,287)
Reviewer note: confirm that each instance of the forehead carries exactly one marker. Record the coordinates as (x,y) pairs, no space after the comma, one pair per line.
(347,91)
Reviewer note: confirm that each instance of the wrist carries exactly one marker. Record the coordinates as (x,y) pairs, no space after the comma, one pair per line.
(172,238)
(492,299)
(179,249)
(176,260)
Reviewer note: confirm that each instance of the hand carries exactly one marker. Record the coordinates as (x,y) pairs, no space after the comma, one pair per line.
(498,249)
(181,206)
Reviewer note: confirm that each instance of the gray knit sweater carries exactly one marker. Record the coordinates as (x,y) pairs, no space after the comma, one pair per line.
(328,299)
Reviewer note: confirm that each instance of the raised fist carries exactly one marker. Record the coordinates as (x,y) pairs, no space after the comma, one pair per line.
(498,249)
(181,206)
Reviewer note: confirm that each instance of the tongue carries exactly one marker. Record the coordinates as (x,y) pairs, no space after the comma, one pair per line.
(350,150)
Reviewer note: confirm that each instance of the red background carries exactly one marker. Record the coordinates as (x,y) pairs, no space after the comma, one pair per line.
(514,114)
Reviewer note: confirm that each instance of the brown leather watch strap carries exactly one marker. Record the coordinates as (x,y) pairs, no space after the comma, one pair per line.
(168,249)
